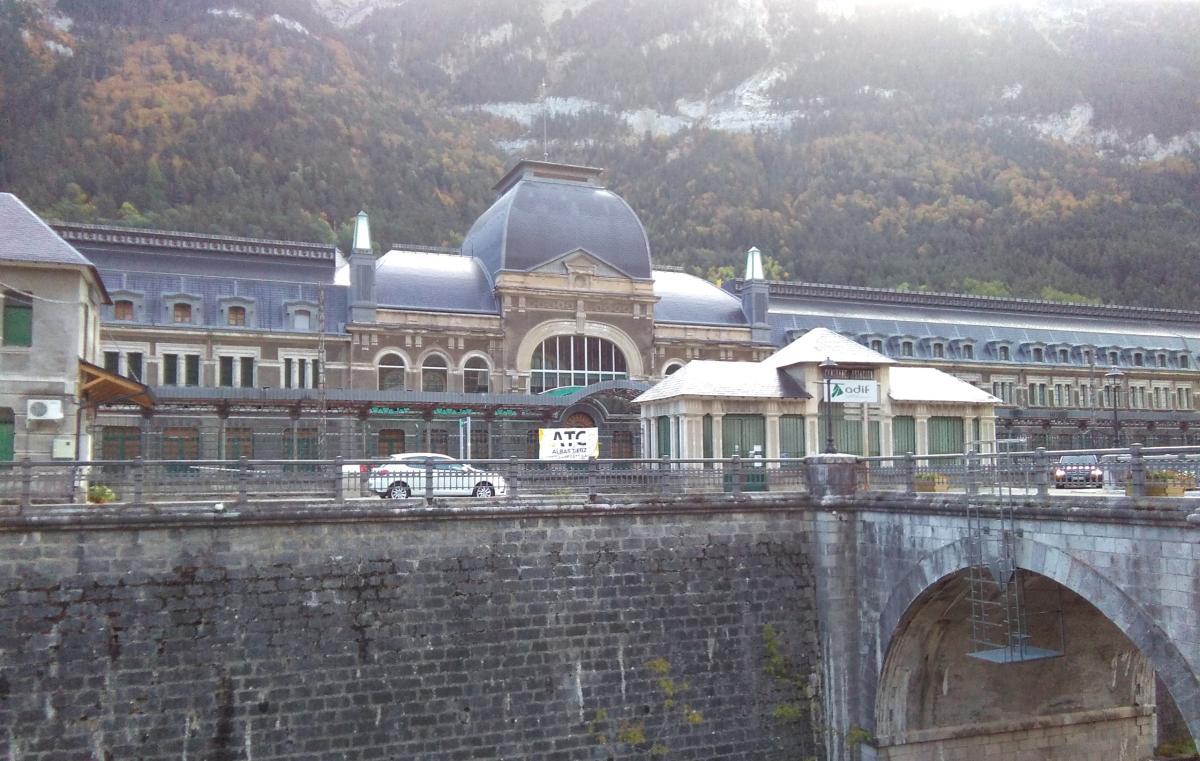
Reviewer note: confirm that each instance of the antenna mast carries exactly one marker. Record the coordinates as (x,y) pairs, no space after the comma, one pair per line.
(545,126)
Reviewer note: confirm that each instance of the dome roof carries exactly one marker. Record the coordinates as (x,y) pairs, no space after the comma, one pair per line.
(539,219)
(687,299)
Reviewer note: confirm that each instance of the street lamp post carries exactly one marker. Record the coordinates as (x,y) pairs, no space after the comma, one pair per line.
(827,368)
(1114,377)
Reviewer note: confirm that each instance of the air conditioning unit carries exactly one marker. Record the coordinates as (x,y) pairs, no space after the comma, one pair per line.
(44,409)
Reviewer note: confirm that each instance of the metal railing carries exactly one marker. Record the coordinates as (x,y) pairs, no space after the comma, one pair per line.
(140,481)
(1037,475)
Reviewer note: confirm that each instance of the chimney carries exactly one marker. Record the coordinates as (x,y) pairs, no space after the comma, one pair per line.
(362,272)
(756,297)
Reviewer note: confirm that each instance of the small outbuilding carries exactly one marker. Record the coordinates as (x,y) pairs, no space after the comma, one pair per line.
(777,407)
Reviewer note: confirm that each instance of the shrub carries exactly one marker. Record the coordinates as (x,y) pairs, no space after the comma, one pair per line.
(99,493)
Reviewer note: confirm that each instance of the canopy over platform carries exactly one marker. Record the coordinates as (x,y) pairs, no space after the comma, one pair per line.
(101,387)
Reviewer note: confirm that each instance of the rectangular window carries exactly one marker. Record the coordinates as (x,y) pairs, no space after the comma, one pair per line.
(1112,358)
(170,369)
(287,372)
(226,371)
(1162,360)
(968,351)
(191,369)
(316,375)
(1038,355)
(1042,394)
(906,349)
(247,379)
(112,362)
(1183,361)
(302,373)
(1064,356)
(133,365)
(939,351)
(18,319)
(1004,353)
(1138,360)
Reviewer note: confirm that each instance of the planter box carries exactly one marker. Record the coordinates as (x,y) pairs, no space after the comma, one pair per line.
(941,484)
(1159,490)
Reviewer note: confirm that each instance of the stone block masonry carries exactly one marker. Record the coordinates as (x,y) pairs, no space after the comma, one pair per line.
(593,635)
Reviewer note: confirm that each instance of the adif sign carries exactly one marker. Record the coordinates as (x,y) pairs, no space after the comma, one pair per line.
(568,443)
(854,391)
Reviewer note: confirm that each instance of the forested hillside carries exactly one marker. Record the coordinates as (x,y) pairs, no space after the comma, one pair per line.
(1048,153)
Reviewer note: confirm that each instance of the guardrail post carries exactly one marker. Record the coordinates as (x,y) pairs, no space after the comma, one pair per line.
(139,480)
(339,488)
(1137,471)
(1041,474)
(26,483)
(971,483)
(592,467)
(243,471)
(428,480)
(910,473)
(735,465)
(666,475)
(513,468)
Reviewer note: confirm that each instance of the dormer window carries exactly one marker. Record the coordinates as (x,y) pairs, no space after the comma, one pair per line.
(1064,356)
(1162,360)
(1004,354)
(301,315)
(235,316)
(1113,358)
(1183,361)
(939,350)
(1038,354)
(123,310)
(877,345)
(906,349)
(181,314)
(968,351)
(1087,356)
(1138,359)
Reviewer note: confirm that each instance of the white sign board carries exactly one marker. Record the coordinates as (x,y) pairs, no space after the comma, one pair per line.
(568,443)
(854,391)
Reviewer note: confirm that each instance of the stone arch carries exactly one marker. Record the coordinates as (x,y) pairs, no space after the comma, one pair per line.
(1119,608)
(550,328)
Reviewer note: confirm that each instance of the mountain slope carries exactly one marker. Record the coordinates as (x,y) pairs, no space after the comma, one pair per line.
(1048,152)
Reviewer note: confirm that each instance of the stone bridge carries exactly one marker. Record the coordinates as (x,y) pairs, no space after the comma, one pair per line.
(756,626)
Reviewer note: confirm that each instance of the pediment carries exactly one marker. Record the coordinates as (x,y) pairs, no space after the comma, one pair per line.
(579,262)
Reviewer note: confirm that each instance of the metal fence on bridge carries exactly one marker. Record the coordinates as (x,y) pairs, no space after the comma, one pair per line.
(1036,474)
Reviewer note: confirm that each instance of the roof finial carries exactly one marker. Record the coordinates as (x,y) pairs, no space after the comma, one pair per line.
(362,233)
(545,125)
(754,265)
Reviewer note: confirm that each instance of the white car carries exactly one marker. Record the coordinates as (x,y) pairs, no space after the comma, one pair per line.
(404,475)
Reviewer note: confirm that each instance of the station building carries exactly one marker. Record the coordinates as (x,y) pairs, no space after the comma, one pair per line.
(553,313)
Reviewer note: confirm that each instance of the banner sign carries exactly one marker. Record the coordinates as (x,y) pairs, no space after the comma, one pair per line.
(568,443)
(854,392)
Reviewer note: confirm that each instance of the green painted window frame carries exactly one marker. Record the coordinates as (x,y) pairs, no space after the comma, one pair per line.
(18,319)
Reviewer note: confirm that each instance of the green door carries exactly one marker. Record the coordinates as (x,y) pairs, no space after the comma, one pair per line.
(873,439)
(664,436)
(904,435)
(791,436)
(708,438)
(847,434)
(7,434)
(946,435)
(740,434)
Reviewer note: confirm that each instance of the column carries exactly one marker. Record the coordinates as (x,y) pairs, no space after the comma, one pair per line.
(772,442)
(921,418)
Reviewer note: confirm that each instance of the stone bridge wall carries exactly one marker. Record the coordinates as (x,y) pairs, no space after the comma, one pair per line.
(409,634)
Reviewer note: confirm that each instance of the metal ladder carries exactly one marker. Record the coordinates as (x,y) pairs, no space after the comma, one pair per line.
(997,588)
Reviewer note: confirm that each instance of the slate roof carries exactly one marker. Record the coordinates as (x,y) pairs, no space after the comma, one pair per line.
(538,220)
(928,384)
(709,378)
(691,300)
(433,282)
(980,326)
(26,239)
(820,344)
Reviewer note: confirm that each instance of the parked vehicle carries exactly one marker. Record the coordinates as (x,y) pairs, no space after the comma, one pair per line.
(404,475)
(1078,470)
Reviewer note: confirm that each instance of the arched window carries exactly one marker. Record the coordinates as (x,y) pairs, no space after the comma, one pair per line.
(391,372)
(575,361)
(236,315)
(433,373)
(475,376)
(671,369)
(123,310)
